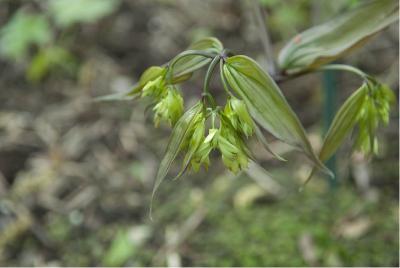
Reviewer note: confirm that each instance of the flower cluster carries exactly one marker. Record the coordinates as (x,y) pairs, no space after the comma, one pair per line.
(375,109)
(235,124)
(169,103)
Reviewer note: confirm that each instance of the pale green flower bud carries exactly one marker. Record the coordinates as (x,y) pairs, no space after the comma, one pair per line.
(375,109)
(383,97)
(155,88)
(232,148)
(170,108)
(201,156)
(232,155)
(239,116)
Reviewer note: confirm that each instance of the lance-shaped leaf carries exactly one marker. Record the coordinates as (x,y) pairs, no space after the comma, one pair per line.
(180,135)
(344,121)
(325,43)
(266,103)
(189,63)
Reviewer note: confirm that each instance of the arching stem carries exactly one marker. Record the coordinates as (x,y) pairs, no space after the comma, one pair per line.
(210,71)
(184,54)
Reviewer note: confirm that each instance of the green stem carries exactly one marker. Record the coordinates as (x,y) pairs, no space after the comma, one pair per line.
(224,83)
(347,68)
(210,71)
(185,54)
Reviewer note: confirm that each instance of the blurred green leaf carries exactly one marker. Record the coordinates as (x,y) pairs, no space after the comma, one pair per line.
(47,59)
(286,18)
(22,31)
(269,3)
(120,250)
(267,104)
(324,43)
(68,12)
(188,64)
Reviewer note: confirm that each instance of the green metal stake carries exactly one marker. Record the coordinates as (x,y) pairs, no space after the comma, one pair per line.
(329,108)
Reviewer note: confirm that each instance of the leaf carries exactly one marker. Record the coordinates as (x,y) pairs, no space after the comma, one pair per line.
(48,59)
(188,64)
(266,103)
(120,251)
(333,39)
(179,136)
(22,31)
(343,123)
(68,12)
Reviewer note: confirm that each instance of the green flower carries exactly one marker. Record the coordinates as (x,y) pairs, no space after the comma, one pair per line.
(169,108)
(201,156)
(156,88)
(239,116)
(232,155)
(232,148)
(375,109)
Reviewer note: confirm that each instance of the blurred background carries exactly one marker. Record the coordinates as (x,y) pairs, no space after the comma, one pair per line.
(76,176)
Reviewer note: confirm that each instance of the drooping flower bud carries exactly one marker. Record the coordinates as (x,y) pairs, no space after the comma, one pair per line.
(232,148)
(232,155)
(201,156)
(239,116)
(155,88)
(375,109)
(170,107)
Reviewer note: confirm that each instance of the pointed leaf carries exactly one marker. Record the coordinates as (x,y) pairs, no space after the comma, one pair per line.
(179,136)
(267,104)
(324,43)
(343,123)
(341,126)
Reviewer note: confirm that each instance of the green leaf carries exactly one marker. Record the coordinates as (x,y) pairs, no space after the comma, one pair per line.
(196,139)
(68,12)
(48,59)
(343,123)
(325,43)
(22,31)
(120,250)
(179,137)
(266,103)
(188,64)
